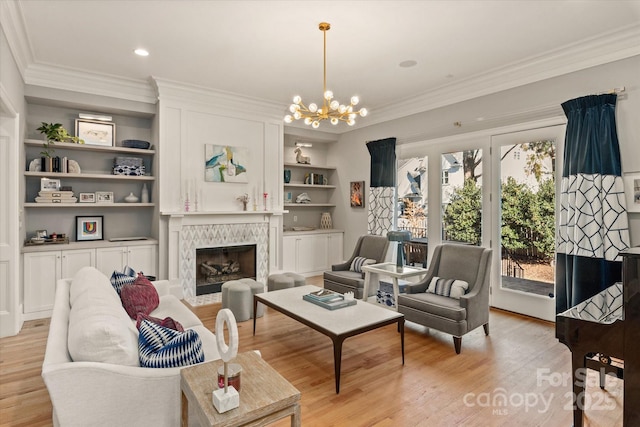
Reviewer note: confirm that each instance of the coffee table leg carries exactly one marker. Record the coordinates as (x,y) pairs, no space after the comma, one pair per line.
(185,411)
(255,310)
(337,360)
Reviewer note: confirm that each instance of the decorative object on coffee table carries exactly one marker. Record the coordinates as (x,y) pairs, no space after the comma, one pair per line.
(226,398)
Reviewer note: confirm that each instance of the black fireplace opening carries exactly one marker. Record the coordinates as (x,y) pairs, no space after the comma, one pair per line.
(215,266)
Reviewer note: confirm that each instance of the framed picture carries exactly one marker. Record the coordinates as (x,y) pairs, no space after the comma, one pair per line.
(89,228)
(87,198)
(356,194)
(226,163)
(47,184)
(95,132)
(104,197)
(288,197)
(632,191)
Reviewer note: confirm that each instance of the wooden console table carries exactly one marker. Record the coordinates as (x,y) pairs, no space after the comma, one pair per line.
(265,396)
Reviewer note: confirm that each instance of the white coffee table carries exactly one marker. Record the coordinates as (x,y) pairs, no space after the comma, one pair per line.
(337,324)
(372,273)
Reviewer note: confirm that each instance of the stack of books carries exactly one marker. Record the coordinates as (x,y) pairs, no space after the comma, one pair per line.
(328,299)
(56,197)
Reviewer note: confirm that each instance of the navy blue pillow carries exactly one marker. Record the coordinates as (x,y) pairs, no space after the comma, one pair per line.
(161,347)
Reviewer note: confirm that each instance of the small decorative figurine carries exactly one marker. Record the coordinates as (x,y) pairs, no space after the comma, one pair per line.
(226,398)
(301,158)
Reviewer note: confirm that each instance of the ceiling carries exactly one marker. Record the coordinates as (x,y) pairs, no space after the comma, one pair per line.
(272,50)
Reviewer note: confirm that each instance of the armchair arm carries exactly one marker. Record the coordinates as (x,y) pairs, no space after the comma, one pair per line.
(421,286)
(341,267)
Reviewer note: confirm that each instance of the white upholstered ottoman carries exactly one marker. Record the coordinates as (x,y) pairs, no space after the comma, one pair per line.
(285,280)
(237,296)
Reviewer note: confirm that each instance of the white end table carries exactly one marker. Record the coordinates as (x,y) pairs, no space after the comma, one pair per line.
(373,271)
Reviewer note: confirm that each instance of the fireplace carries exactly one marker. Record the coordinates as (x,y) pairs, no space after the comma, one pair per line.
(217,265)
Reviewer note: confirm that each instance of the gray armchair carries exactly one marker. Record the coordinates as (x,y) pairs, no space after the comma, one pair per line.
(341,279)
(471,264)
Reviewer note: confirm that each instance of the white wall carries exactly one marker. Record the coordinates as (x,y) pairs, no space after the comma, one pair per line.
(523,104)
(12,113)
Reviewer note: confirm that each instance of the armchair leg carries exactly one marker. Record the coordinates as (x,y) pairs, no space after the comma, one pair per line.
(486,329)
(457,343)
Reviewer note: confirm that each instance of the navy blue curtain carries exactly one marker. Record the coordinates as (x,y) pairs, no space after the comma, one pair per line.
(593,225)
(383,162)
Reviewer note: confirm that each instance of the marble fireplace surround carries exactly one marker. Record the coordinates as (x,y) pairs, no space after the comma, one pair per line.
(191,231)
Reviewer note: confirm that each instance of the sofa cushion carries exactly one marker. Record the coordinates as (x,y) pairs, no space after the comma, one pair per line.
(161,347)
(171,306)
(345,277)
(167,322)
(101,331)
(359,262)
(139,297)
(447,287)
(89,279)
(437,305)
(118,279)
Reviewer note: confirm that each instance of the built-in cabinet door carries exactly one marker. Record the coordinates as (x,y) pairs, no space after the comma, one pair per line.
(312,253)
(109,260)
(334,248)
(142,259)
(74,260)
(41,272)
(289,254)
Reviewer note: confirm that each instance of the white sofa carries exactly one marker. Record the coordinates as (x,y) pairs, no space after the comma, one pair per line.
(108,387)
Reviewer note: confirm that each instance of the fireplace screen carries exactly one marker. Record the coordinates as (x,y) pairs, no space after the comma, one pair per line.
(214,266)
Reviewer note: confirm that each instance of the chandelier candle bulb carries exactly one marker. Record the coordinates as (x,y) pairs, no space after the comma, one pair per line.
(331,109)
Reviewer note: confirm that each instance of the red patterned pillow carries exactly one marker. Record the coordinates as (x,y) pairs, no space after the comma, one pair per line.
(167,322)
(139,297)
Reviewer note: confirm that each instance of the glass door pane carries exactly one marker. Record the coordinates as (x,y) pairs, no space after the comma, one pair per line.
(413,209)
(462,196)
(527,206)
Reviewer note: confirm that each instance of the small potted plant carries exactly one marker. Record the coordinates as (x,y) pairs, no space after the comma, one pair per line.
(244,199)
(55,132)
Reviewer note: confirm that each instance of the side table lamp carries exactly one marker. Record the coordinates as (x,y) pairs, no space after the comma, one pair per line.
(399,236)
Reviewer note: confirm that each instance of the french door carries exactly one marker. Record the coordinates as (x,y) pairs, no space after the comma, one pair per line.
(526,170)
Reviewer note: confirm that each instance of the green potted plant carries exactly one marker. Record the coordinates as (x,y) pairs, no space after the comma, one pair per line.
(55,132)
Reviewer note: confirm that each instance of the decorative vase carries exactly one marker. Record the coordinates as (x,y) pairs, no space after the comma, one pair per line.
(325,221)
(287,176)
(144,197)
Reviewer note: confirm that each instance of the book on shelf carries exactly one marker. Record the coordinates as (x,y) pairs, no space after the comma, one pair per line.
(54,194)
(328,299)
(56,199)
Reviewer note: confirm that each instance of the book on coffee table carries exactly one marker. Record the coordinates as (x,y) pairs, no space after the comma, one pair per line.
(328,299)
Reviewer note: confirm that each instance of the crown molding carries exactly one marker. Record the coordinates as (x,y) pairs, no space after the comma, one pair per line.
(92,83)
(13,26)
(240,105)
(616,45)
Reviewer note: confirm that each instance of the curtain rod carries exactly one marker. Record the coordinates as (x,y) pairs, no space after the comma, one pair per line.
(616,90)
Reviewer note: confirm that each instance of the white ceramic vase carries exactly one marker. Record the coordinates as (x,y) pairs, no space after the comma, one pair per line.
(144,197)
(325,221)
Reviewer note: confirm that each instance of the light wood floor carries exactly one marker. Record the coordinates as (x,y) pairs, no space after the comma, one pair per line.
(520,362)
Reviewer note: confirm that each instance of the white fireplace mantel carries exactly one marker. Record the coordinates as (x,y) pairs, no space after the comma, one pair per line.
(191,230)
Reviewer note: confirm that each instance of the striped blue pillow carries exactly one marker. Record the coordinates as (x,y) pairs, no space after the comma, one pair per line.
(118,280)
(448,287)
(160,347)
(360,261)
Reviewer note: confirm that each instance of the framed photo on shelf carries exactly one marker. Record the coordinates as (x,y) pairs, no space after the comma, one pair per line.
(356,194)
(95,132)
(87,198)
(104,197)
(47,184)
(632,191)
(89,228)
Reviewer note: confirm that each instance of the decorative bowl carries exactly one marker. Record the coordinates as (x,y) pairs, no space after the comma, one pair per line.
(37,240)
(131,198)
(136,143)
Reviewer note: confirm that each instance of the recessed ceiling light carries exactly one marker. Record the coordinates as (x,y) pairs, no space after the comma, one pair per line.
(408,63)
(141,52)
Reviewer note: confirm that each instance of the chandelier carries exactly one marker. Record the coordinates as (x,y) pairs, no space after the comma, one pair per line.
(331,109)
